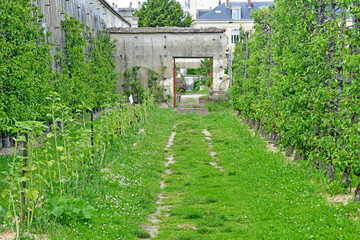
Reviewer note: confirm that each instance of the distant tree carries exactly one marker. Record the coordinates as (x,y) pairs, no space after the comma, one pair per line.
(162,13)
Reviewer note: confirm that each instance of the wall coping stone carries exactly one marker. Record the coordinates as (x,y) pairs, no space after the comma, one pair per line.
(159,30)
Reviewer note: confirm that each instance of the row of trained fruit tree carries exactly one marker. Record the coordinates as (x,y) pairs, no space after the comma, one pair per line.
(297,76)
(48,90)
(31,68)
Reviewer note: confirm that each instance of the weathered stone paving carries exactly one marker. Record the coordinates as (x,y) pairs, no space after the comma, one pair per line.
(154,219)
(212,153)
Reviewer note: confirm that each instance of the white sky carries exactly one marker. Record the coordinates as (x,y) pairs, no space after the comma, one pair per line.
(201,4)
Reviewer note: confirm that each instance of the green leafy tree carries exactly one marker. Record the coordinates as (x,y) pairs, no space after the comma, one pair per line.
(25,63)
(162,13)
(204,70)
(298,75)
(88,67)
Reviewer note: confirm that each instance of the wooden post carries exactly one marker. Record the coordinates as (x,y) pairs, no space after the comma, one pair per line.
(230,66)
(174,83)
(92,132)
(211,78)
(23,183)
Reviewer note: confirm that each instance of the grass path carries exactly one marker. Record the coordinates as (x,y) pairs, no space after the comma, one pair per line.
(216,181)
(126,190)
(257,196)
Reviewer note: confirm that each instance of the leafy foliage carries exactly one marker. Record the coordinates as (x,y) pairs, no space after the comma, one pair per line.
(298,75)
(203,72)
(40,92)
(133,85)
(70,208)
(88,67)
(162,13)
(25,63)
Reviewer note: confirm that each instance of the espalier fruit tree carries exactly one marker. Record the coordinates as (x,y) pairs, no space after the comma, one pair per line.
(297,75)
(43,89)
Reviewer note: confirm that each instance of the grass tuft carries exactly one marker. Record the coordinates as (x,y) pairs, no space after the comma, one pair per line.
(141,233)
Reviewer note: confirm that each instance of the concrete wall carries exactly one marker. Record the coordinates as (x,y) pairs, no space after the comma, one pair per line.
(156,48)
(96,14)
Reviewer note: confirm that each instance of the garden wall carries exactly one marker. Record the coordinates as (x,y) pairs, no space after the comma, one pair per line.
(155,48)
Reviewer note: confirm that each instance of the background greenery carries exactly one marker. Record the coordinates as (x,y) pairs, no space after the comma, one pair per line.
(162,13)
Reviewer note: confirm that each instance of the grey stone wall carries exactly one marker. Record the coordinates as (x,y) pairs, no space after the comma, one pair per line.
(156,48)
(95,14)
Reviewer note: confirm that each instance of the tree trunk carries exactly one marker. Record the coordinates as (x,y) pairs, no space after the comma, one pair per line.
(253,124)
(289,151)
(298,156)
(267,136)
(330,171)
(257,125)
(273,136)
(277,140)
(262,131)
(345,177)
(7,142)
(247,54)
(357,194)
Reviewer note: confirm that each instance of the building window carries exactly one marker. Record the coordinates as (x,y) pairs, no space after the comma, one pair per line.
(236,13)
(235,35)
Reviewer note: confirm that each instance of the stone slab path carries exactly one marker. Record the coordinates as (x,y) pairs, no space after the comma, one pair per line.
(154,219)
(191,103)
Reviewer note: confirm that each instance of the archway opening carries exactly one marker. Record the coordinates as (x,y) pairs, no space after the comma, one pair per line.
(192,74)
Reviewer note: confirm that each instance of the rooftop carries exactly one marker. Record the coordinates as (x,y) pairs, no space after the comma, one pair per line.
(222,13)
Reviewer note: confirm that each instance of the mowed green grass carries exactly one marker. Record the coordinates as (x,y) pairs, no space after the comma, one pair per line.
(258,196)
(123,191)
(128,188)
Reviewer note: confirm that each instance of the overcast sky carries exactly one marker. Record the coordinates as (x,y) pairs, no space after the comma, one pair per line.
(201,4)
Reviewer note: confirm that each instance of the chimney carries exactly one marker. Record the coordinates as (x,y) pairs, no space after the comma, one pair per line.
(130,6)
(249,3)
(219,2)
(139,4)
(227,3)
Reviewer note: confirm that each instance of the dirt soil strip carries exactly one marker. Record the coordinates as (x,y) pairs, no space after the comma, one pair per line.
(154,219)
(212,153)
(10,235)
